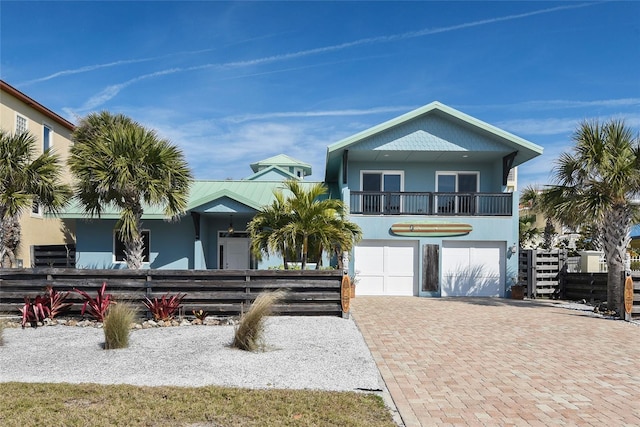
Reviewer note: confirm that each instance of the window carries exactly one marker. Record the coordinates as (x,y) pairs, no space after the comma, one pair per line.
(118,246)
(47,137)
(21,124)
(36,209)
(373,183)
(451,183)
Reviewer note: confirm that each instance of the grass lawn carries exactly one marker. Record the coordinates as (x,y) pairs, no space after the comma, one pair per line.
(125,405)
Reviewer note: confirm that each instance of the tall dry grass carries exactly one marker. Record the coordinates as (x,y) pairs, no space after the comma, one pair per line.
(117,325)
(249,334)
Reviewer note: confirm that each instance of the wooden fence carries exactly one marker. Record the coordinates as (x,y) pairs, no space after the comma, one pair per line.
(540,271)
(53,256)
(591,287)
(219,292)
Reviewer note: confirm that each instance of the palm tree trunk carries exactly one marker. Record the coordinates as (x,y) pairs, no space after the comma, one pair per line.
(134,247)
(305,249)
(9,241)
(615,239)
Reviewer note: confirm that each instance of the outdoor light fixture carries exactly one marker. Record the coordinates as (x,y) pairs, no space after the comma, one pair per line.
(514,248)
(230,230)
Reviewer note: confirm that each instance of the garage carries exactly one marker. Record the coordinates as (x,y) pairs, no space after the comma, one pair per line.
(473,268)
(386,267)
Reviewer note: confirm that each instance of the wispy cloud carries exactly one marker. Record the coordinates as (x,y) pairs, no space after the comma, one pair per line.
(561,104)
(88,68)
(548,126)
(326,113)
(111,91)
(94,67)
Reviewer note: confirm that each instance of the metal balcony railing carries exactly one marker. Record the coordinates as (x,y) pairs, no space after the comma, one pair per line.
(431,203)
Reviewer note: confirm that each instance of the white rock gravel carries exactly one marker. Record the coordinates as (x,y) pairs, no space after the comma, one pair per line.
(324,353)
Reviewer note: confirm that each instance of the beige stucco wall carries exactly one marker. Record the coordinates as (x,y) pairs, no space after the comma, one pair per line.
(36,229)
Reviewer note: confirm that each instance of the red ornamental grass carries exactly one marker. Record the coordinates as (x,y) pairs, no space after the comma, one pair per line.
(164,308)
(97,307)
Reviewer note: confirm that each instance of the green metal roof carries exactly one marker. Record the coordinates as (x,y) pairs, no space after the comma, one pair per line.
(277,169)
(254,194)
(281,160)
(490,138)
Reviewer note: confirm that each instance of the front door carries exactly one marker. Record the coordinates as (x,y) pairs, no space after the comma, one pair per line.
(234,253)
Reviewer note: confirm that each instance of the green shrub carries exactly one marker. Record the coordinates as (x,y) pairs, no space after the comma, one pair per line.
(635,265)
(117,325)
(249,334)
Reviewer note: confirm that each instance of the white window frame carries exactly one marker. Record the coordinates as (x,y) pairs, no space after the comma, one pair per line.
(383,172)
(114,254)
(456,174)
(35,214)
(50,142)
(26,123)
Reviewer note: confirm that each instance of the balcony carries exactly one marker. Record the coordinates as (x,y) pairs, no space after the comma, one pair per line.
(418,203)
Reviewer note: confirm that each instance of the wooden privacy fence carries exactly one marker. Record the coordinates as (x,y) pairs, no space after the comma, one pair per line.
(53,256)
(540,271)
(591,287)
(219,292)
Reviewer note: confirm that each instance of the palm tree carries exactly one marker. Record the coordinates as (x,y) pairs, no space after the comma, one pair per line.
(303,223)
(599,182)
(25,179)
(264,230)
(118,162)
(531,198)
(318,221)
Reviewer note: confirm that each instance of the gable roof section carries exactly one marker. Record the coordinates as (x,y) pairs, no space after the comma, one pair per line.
(6,87)
(277,170)
(432,130)
(283,161)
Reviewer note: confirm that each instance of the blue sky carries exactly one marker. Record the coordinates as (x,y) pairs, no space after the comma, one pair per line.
(232,83)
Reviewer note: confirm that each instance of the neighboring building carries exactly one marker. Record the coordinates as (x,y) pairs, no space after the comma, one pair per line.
(635,236)
(430,190)
(19,113)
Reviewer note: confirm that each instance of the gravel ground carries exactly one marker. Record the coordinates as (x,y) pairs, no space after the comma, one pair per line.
(323,353)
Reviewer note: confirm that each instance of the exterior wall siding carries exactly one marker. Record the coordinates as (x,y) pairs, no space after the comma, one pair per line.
(36,229)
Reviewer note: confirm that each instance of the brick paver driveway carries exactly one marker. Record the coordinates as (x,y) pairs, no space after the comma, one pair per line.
(501,362)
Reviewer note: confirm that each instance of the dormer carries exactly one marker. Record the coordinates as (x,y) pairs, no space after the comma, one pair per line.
(282,165)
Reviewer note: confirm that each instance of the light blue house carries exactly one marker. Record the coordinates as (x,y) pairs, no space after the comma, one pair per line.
(211,236)
(432,191)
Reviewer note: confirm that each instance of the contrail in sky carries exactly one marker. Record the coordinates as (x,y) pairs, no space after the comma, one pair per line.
(88,68)
(111,91)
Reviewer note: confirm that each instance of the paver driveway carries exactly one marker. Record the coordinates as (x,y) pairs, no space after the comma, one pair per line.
(500,362)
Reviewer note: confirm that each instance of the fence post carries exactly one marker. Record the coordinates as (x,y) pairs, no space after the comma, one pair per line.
(533,276)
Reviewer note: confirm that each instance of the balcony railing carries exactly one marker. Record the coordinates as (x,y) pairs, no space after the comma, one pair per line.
(446,204)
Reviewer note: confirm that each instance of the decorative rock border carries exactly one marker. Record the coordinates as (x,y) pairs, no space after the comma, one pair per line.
(146,324)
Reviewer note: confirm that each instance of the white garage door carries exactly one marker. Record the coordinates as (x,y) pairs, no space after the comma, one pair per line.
(385,268)
(473,268)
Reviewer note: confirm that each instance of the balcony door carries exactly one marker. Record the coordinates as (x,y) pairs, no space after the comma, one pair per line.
(374,183)
(456,182)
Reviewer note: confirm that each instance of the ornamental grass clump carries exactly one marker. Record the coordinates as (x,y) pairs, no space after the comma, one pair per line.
(117,325)
(249,333)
